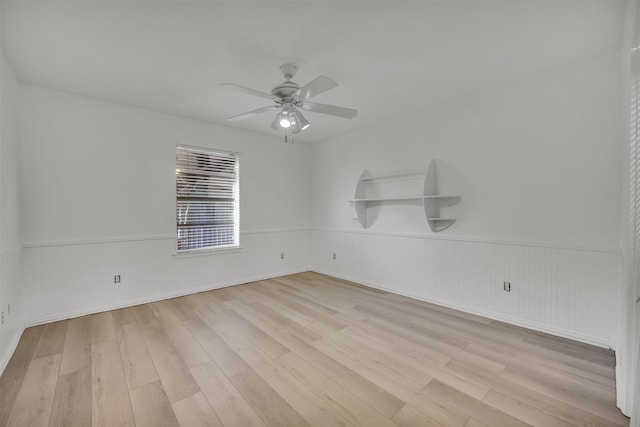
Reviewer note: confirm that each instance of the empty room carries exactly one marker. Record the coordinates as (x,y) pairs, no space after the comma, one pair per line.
(319,213)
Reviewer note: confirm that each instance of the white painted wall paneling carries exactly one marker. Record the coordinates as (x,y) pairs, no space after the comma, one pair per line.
(98,190)
(71,279)
(560,290)
(10,236)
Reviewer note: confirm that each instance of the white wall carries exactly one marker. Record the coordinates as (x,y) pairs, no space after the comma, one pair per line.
(10,238)
(98,198)
(537,162)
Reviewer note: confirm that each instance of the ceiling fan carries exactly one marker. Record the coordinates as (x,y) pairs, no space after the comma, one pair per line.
(290,98)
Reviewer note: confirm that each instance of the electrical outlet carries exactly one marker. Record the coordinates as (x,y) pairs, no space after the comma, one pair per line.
(281,255)
(507,286)
(2,316)
(116,278)
(334,255)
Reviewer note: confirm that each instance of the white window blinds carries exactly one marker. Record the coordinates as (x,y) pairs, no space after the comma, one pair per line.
(206,199)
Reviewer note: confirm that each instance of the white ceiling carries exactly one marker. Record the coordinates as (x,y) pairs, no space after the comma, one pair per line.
(388,57)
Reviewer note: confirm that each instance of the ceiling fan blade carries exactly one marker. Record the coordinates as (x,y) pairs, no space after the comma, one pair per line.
(252,113)
(250,91)
(316,86)
(332,110)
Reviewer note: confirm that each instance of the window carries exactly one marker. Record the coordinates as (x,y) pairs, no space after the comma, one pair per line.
(207,198)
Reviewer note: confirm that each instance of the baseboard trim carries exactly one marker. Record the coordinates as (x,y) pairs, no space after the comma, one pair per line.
(11,349)
(564,333)
(159,297)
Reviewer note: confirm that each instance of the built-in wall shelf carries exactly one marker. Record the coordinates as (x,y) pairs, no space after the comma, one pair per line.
(432,201)
(396,175)
(387,199)
(441,196)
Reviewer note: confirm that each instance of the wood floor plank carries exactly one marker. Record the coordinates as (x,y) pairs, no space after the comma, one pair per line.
(425,348)
(191,352)
(376,353)
(291,309)
(585,399)
(195,411)
(602,381)
(15,371)
(535,399)
(102,327)
(409,417)
(603,370)
(304,303)
(310,406)
(77,346)
(257,336)
(432,324)
(270,321)
(446,415)
(406,365)
(111,405)
(522,410)
(139,368)
(269,406)
(52,340)
(344,402)
(593,386)
(151,408)
(367,331)
(229,405)
(164,315)
(402,324)
(32,406)
(385,378)
(371,393)
(280,315)
(576,350)
(223,355)
(174,374)
(449,397)
(181,310)
(472,422)
(123,316)
(72,404)
(328,300)
(271,325)
(428,306)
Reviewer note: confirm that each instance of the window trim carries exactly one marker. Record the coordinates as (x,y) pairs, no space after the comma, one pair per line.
(210,250)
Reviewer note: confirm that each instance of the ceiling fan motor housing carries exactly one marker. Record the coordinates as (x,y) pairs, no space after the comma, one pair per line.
(285,90)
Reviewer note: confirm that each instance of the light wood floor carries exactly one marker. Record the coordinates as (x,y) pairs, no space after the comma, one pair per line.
(302,350)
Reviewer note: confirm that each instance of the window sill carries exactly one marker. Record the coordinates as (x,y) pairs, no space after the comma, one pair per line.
(206,252)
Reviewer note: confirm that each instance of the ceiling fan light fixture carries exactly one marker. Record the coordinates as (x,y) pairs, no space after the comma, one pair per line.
(302,122)
(284,122)
(295,124)
(284,119)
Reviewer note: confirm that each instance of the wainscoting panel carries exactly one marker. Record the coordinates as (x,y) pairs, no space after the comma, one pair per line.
(68,279)
(11,330)
(570,292)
